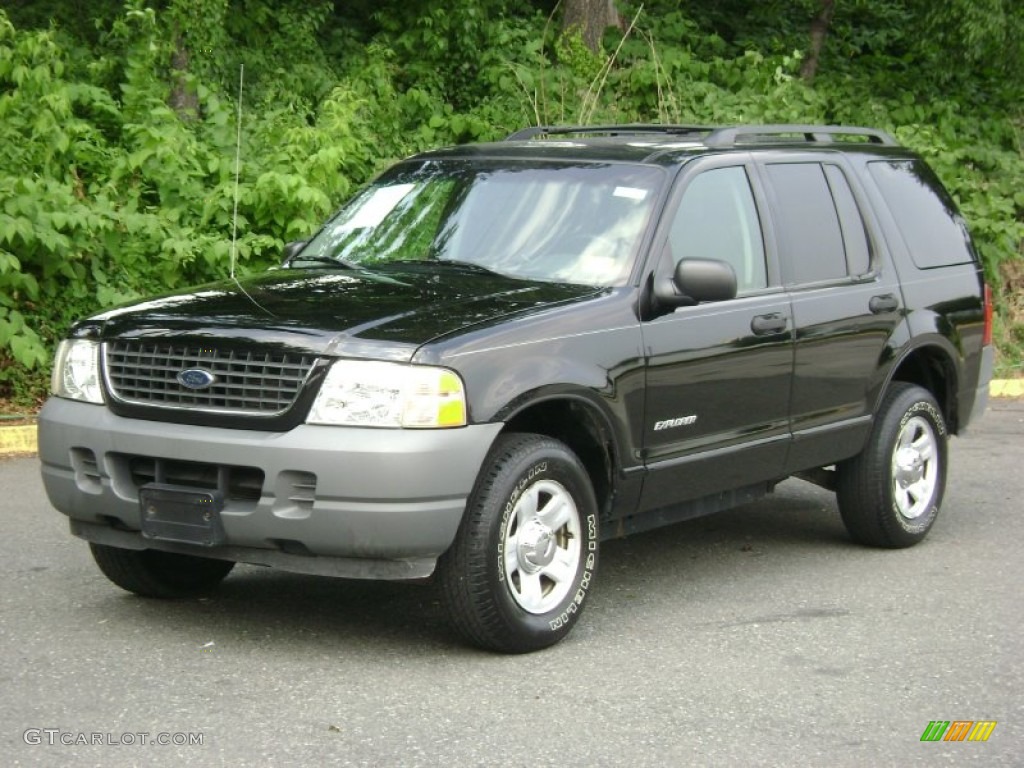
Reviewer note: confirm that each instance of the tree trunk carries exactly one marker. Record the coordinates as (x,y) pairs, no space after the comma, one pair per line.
(592,18)
(819,31)
(184,100)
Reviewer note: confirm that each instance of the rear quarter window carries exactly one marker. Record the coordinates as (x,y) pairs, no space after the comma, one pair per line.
(931,226)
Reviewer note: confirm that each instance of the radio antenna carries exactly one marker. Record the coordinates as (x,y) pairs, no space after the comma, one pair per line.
(238,166)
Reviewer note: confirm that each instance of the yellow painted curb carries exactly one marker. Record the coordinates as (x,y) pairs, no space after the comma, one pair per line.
(19,441)
(1006,388)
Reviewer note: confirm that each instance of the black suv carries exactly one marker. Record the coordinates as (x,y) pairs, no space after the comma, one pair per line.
(497,355)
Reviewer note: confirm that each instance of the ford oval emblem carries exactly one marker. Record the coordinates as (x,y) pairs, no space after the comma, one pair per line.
(195,378)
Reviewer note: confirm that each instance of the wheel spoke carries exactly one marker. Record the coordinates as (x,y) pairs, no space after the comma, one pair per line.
(563,568)
(924,447)
(526,509)
(555,513)
(511,556)
(530,593)
(921,490)
(903,500)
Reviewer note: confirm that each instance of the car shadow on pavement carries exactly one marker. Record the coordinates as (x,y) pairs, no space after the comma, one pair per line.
(264,608)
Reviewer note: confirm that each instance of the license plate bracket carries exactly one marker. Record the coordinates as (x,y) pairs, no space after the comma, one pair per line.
(181,514)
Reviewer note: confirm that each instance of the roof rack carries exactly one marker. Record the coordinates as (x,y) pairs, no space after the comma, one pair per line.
(711,136)
(815,134)
(635,129)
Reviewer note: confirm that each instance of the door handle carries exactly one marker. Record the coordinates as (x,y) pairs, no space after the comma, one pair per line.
(766,325)
(887,302)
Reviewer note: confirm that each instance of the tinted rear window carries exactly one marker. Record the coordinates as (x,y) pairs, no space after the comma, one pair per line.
(932,229)
(808,224)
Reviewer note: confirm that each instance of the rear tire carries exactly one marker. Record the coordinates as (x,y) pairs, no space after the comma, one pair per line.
(152,573)
(525,554)
(890,494)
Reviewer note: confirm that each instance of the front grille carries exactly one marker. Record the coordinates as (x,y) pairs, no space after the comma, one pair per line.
(244,381)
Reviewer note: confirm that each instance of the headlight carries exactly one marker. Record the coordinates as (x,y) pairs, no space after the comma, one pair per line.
(76,371)
(370,394)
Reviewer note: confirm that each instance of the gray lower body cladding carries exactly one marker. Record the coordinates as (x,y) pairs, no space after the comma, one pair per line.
(988,355)
(344,501)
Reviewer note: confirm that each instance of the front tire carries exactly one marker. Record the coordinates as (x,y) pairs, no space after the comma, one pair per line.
(152,573)
(525,556)
(890,494)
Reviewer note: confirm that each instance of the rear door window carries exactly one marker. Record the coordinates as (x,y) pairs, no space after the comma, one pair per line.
(820,230)
(807,224)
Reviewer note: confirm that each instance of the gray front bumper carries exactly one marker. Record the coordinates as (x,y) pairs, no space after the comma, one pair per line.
(376,503)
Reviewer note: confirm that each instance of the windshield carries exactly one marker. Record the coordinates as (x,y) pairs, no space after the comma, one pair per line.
(544,221)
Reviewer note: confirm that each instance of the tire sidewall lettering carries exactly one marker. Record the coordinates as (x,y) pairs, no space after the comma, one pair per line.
(933,414)
(585,578)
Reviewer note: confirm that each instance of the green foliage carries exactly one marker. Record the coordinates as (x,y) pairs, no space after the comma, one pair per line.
(573,53)
(453,50)
(110,188)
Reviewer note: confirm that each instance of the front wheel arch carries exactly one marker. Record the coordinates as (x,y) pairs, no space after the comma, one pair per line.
(585,429)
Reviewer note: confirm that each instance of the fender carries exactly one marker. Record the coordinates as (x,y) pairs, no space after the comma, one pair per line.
(599,402)
(582,420)
(948,354)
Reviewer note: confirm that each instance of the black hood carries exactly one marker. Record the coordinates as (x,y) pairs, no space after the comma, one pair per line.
(318,309)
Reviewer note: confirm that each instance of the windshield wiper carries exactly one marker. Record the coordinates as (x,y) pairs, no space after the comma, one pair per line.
(467,264)
(326,261)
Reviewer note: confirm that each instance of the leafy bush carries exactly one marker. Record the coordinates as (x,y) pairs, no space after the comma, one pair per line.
(118,175)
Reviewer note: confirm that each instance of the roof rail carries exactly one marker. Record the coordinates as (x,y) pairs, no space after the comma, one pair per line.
(815,134)
(635,129)
(712,136)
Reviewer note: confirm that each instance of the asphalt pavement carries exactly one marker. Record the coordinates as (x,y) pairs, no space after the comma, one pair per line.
(757,637)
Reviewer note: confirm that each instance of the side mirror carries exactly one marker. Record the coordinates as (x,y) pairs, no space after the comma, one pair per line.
(292,249)
(695,281)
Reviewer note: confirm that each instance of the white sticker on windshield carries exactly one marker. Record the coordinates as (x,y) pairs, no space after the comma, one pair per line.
(378,205)
(633,193)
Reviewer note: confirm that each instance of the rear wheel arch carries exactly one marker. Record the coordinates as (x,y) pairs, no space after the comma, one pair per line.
(929,365)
